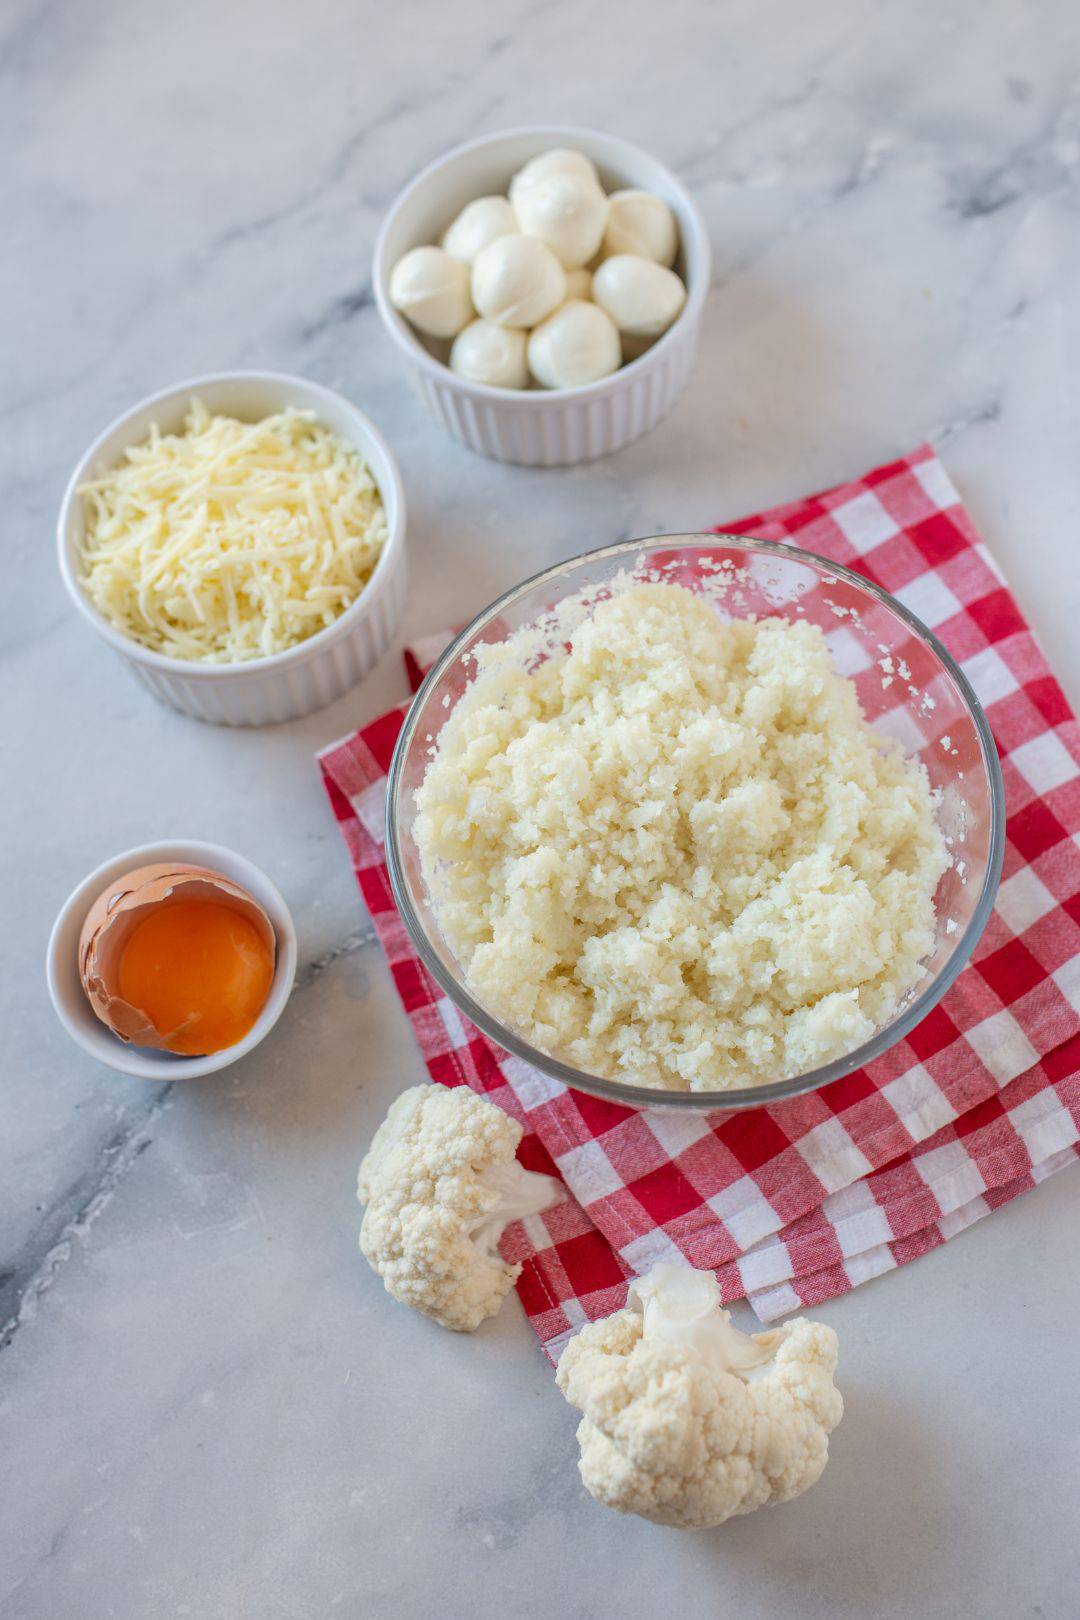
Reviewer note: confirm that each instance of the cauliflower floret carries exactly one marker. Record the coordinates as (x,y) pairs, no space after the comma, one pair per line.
(686,1420)
(440,1182)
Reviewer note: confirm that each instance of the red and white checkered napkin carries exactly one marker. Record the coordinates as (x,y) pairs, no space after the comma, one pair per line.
(796,1203)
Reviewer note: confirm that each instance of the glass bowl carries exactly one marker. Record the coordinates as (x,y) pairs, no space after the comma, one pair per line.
(909,688)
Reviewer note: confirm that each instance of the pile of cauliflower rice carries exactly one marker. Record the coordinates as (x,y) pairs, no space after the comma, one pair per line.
(674,853)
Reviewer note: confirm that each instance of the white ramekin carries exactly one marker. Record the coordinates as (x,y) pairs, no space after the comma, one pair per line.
(69,999)
(538,428)
(284,685)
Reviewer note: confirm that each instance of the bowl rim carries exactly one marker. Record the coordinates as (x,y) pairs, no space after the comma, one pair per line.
(388,483)
(108,1048)
(538,399)
(751,1096)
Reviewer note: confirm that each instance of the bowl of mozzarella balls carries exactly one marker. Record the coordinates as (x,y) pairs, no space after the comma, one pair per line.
(544,288)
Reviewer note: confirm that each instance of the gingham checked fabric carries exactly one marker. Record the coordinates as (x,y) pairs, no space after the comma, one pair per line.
(796,1203)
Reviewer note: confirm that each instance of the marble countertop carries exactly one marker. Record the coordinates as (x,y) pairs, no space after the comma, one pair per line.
(208,1408)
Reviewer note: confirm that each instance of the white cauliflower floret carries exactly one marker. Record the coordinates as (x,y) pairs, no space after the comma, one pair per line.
(686,1420)
(440,1182)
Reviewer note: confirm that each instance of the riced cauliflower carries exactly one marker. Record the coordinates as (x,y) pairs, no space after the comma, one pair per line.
(686,1420)
(676,854)
(440,1183)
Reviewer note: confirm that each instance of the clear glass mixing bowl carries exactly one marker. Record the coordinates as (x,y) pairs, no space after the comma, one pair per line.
(908,685)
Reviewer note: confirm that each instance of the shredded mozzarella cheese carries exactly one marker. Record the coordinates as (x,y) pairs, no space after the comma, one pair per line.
(231,540)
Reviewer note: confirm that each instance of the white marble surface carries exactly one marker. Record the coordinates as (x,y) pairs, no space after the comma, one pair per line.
(207,1406)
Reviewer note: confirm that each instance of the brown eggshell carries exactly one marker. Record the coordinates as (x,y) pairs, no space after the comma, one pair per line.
(118,910)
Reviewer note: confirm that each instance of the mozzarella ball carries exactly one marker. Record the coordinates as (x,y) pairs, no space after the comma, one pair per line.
(516,281)
(576,345)
(566,211)
(431,289)
(559,160)
(579,284)
(643,224)
(480,223)
(641,297)
(490,354)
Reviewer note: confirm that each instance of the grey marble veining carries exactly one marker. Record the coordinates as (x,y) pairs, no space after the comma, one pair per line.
(207,1406)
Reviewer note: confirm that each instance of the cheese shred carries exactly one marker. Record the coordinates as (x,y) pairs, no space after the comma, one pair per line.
(231,540)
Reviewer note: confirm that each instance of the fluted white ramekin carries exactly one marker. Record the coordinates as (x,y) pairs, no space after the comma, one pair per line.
(540,428)
(284,685)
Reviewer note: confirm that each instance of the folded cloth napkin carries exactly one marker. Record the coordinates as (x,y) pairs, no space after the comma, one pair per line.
(798,1202)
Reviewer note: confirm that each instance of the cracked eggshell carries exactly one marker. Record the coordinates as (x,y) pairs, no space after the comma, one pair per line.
(114,916)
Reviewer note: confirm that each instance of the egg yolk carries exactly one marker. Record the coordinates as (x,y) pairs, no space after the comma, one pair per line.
(199,971)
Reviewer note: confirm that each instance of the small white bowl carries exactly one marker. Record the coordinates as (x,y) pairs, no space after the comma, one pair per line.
(541,428)
(69,998)
(284,685)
